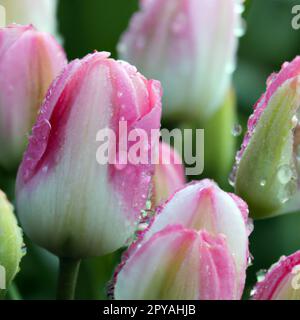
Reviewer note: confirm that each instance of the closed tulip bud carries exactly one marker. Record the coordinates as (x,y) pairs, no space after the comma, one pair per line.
(195,248)
(11,243)
(169,174)
(190,46)
(70,202)
(41,13)
(266,174)
(282,282)
(30,60)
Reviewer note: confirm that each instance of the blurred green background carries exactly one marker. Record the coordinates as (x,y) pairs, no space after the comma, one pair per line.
(269,41)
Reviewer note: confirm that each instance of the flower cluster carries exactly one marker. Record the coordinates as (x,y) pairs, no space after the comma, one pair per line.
(66,128)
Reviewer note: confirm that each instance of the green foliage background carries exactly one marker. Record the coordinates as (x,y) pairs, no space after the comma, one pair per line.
(269,41)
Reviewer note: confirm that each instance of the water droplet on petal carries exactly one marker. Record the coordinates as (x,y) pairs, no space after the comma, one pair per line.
(232,176)
(252,292)
(250,259)
(283,196)
(261,275)
(298,153)
(24,249)
(240,29)
(122,48)
(237,130)
(262,182)
(294,121)
(284,174)
(142,226)
(239,8)
(45,169)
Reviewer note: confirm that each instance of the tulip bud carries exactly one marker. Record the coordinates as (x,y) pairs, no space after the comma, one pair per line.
(190,46)
(68,202)
(41,13)
(195,248)
(30,60)
(282,282)
(11,243)
(266,174)
(169,174)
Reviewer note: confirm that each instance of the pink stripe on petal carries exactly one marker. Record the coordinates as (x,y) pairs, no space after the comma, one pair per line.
(48,133)
(178,263)
(148,273)
(217,269)
(268,288)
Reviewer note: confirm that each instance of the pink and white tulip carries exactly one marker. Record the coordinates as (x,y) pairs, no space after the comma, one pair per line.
(68,203)
(190,46)
(169,174)
(40,13)
(30,60)
(195,248)
(282,282)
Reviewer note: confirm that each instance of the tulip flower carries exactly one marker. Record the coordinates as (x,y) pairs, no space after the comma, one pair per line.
(282,282)
(41,13)
(11,244)
(190,46)
(69,203)
(196,247)
(30,60)
(169,174)
(266,174)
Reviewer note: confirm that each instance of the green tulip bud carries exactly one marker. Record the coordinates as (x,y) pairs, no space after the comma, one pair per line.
(11,244)
(267,170)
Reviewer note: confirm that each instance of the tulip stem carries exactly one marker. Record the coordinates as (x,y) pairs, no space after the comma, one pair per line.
(67,278)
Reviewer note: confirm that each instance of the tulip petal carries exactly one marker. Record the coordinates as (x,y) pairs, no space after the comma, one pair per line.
(282,282)
(207,207)
(29,62)
(86,208)
(177,263)
(169,174)
(42,13)
(266,170)
(179,43)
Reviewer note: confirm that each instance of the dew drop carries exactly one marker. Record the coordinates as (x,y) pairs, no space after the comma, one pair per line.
(237,130)
(298,153)
(284,174)
(239,8)
(283,196)
(142,226)
(262,182)
(241,29)
(122,48)
(120,94)
(45,169)
(294,121)
(24,249)
(250,259)
(253,292)
(231,178)
(230,68)
(148,205)
(144,214)
(260,275)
